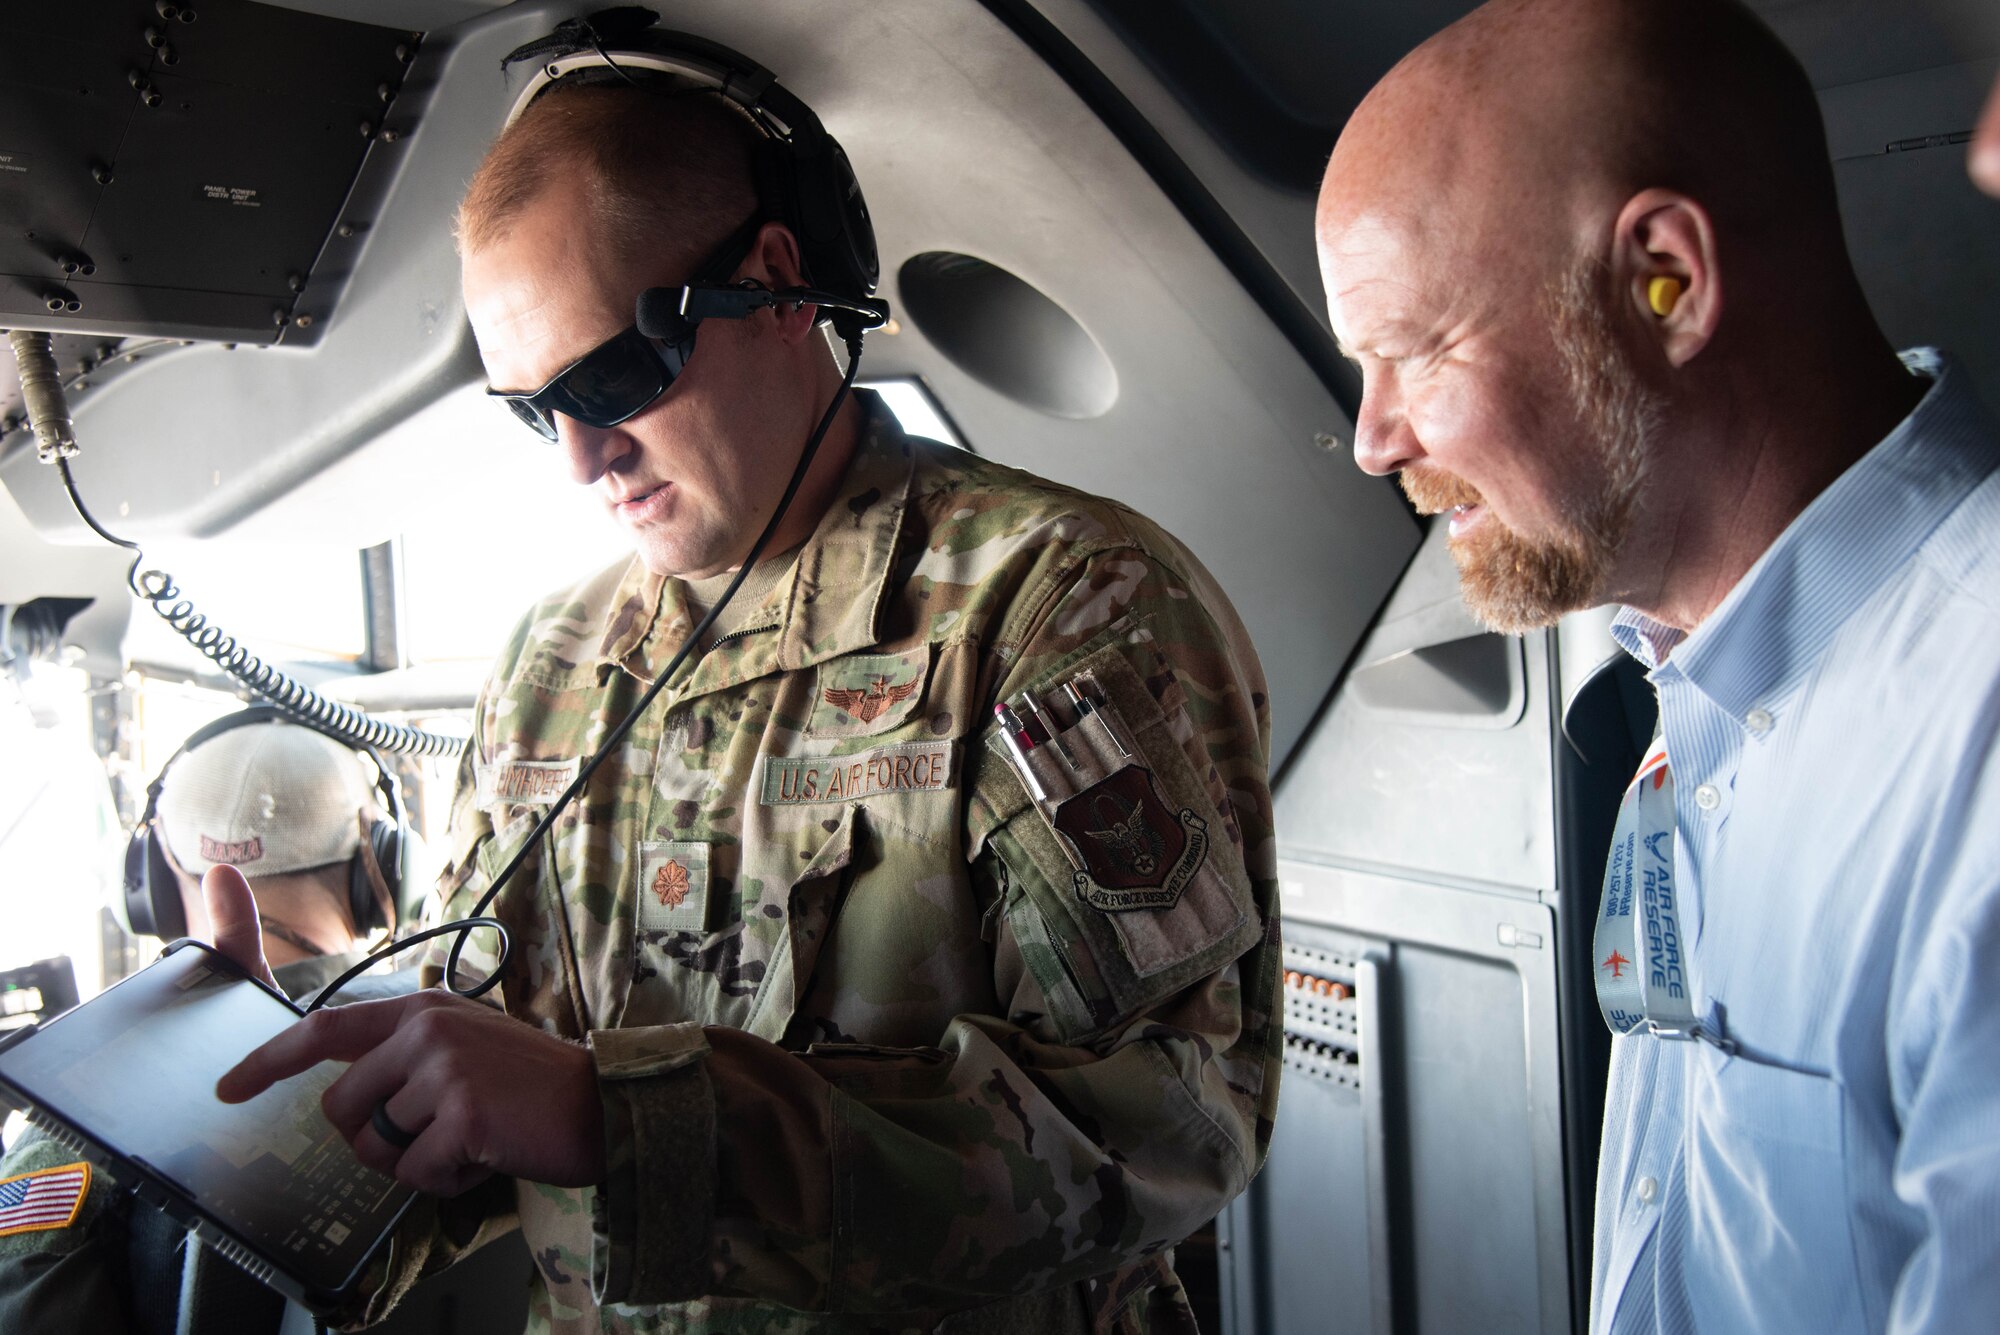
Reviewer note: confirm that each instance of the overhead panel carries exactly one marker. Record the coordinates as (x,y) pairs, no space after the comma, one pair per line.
(175,170)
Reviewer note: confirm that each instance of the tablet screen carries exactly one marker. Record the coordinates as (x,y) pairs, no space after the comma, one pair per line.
(135,1069)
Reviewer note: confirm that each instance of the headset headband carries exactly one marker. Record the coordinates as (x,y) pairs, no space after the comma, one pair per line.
(803,178)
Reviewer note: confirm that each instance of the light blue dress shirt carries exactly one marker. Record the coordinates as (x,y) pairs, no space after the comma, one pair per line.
(1832,729)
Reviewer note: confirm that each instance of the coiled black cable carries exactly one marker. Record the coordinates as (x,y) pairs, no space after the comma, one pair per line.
(157,589)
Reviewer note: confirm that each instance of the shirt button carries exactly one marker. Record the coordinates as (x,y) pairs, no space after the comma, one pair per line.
(1758,721)
(1707,797)
(1649,1189)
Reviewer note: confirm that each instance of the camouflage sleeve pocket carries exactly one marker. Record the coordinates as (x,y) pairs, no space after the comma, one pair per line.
(1124,887)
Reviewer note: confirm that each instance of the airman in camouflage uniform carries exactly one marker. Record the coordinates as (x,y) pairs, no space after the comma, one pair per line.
(829,1012)
(869,1056)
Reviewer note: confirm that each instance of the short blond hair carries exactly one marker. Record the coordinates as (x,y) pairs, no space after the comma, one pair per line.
(666,173)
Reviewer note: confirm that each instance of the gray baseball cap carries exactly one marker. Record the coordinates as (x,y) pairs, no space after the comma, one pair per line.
(269,798)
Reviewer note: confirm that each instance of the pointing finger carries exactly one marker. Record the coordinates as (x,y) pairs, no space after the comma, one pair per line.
(346,1034)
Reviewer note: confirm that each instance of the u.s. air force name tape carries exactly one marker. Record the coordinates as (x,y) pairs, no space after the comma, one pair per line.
(1640,954)
(913,768)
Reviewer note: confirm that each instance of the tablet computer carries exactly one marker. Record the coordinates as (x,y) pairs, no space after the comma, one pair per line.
(129,1076)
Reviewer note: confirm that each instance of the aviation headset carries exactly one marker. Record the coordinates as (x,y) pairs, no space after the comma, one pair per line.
(152,900)
(803,178)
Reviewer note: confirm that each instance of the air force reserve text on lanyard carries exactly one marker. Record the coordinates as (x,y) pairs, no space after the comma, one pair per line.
(1641,955)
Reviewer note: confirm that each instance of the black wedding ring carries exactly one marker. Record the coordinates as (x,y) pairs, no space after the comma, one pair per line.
(385,1127)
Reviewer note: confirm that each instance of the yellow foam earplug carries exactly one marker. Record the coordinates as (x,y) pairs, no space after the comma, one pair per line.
(1662,293)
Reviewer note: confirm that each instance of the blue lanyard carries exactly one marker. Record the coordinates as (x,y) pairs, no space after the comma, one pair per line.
(1639,950)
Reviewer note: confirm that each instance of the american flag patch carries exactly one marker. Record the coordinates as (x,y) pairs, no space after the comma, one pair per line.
(45,1199)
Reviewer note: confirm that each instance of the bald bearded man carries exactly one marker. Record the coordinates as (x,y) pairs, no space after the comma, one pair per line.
(1588,258)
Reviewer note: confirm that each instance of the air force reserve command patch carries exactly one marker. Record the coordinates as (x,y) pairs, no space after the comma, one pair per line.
(1137,853)
(48,1198)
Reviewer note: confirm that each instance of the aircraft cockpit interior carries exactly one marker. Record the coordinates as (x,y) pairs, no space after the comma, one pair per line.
(250,455)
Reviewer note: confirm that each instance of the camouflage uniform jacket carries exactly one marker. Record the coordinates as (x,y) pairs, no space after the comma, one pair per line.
(870,1057)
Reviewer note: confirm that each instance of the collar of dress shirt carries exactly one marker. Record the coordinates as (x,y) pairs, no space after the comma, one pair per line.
(1856,534)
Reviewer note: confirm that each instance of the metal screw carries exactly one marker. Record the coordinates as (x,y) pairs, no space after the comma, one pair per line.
(1327,441)
(295,282)
(390,136)
(303,321)
(367,129)
(100,173)
(403,53)
(278,317)
(344,231)
(384,91)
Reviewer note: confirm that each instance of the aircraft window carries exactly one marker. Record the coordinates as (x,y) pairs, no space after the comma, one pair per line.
(516,527)
(288,603)
(471,569)
(916,411)
(59,828)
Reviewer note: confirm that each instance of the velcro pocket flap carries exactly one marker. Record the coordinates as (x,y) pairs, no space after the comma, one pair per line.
(1127,868)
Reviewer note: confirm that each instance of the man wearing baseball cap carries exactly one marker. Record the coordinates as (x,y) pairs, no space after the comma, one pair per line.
(293,809)
(289,807)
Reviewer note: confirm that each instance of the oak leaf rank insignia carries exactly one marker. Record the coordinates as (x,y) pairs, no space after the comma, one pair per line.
(672,887)
(670,884)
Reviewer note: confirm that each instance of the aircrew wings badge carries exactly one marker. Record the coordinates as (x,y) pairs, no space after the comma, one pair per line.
(1137,853)
(48,1198)
(873,700)
(868,693)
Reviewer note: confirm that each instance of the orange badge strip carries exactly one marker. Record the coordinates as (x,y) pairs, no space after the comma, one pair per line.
(48,1198)
(918,767)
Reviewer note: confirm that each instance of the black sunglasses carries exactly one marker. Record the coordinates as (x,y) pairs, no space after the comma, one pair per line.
(620,377)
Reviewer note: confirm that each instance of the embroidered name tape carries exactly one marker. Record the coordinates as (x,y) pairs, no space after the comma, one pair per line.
(917,767)
(539,782)
(46,1199)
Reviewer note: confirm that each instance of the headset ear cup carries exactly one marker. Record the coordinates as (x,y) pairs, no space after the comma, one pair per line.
(135,903)
(152,890)
(385,849)
(169,915)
